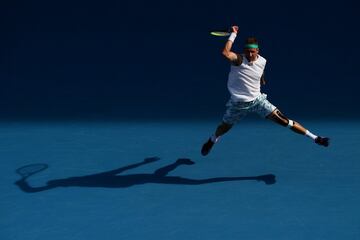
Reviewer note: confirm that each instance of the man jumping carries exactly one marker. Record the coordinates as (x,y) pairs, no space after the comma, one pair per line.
(245,77)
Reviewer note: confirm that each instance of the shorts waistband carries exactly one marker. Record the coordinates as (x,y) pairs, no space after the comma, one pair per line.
(263,95)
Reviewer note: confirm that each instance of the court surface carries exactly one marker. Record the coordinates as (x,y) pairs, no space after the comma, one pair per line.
(147,180)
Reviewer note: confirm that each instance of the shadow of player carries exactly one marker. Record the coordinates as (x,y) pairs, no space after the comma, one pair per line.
(111,179)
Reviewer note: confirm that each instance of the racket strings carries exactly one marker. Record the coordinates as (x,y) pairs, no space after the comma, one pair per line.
(31,169)
(220,33)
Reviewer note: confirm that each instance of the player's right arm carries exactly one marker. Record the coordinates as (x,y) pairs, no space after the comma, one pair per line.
(234,58)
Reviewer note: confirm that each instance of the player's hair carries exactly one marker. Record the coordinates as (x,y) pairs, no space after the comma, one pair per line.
(251,40)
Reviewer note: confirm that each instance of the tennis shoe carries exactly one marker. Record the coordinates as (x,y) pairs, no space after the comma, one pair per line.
(207,147)
(323,141)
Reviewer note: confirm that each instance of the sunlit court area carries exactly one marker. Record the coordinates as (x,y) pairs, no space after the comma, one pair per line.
(135,180)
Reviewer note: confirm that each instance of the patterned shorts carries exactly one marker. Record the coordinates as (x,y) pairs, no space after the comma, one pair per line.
(237,110)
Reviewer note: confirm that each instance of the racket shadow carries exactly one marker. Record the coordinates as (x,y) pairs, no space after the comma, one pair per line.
(111,179)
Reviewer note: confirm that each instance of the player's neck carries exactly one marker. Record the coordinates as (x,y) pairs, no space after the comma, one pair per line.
(253,60)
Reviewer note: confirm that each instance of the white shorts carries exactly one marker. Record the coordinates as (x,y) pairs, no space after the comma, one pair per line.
(237,110)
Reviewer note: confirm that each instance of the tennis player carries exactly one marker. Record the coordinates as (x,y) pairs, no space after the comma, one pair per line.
(245,77)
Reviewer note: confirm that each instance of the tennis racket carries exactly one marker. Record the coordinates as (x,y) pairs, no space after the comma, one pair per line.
(28,170)
(221,33)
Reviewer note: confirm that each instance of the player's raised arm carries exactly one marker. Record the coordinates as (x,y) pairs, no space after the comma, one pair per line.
(231,56)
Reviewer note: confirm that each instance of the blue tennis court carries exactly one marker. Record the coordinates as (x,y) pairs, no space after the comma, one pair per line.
(147,180)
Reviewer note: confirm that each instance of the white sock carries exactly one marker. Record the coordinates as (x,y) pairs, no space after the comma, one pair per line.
(311,135)
(214,139)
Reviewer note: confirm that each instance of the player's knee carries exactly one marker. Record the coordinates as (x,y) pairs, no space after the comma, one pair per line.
(290,124)
(279,118)
(296,127)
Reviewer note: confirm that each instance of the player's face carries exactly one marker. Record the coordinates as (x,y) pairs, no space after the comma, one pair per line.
(251,54)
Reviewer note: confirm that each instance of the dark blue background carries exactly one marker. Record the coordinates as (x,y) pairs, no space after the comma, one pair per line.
(156,59)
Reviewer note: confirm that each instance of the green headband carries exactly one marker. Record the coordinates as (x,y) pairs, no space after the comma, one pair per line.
(253,45)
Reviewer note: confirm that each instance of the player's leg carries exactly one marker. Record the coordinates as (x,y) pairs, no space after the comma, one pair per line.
(281,119)
(220,130)
(233,114)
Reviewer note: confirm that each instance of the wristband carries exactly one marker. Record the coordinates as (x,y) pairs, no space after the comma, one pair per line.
(232,37)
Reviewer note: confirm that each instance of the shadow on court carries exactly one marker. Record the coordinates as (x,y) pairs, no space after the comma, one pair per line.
(111,179)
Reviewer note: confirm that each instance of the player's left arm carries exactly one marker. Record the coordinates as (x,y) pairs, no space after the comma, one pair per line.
(262,79)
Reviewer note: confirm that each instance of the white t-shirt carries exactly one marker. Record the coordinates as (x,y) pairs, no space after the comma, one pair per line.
(244,80)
